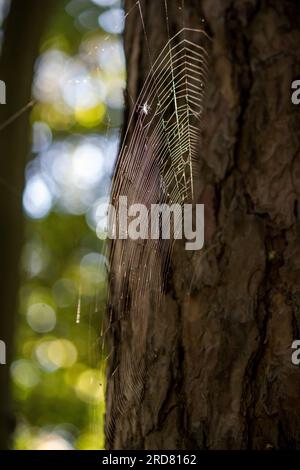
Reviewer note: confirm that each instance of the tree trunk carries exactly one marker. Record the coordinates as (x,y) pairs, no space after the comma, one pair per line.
(25,25)
(222,376)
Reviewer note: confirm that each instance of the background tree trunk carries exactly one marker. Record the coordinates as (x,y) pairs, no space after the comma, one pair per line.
(223,377)
(25,25)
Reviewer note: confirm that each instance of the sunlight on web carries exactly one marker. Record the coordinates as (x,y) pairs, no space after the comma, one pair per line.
(159,162)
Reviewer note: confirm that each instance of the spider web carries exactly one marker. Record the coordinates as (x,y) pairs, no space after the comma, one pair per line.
(158,164)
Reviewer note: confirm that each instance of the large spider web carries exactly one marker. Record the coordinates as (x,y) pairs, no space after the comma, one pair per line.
(158,164)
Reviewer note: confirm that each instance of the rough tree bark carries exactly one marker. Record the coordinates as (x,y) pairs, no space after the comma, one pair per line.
(25,25)
(223,377)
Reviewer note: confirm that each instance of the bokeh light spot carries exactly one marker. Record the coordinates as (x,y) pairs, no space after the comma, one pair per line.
(37,198)
(24,373)
(41,318)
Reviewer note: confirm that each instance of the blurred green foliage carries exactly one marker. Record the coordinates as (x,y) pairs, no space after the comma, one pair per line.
(58,372)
